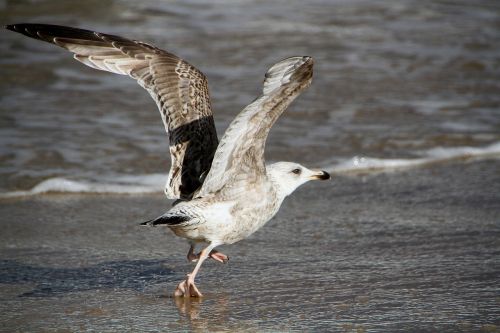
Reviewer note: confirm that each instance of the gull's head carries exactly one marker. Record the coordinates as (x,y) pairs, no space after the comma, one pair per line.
(288,176)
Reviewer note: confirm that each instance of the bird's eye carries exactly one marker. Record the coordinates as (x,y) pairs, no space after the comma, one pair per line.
(296,171)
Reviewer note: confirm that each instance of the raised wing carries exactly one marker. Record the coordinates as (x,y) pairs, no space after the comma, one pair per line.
(179,89)
(241,150)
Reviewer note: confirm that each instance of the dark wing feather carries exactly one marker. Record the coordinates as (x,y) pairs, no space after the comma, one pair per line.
(179,89)
(168,219)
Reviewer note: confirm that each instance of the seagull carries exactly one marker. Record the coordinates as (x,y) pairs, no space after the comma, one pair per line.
(224,190)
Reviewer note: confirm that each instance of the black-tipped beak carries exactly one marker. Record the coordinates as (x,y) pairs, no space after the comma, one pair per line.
(322,175)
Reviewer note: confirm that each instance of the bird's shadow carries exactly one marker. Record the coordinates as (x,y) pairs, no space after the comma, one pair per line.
(50,281)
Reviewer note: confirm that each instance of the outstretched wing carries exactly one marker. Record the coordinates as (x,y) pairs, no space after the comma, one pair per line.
(179,89)
(241,150)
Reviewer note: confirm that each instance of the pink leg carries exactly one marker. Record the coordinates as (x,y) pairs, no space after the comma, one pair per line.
(187,287)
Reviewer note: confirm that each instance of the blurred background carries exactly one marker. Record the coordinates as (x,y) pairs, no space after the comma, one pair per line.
(393,80)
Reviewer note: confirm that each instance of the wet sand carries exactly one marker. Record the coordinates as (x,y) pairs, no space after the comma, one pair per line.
(416,250)
(408,251)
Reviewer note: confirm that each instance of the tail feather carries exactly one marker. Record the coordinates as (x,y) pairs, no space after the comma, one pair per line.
(167,220)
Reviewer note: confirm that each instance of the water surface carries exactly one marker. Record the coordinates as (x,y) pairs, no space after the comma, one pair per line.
(393,80)
(407,86)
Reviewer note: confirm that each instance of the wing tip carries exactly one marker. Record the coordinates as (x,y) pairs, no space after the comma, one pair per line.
(28,29)
(282,72)
(295,61)
(17,27)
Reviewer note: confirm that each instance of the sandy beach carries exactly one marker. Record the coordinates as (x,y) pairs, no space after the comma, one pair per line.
(403,111)
(408,251)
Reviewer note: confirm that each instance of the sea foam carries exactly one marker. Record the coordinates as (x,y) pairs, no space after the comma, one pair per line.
(361,164)
(154,183)
(120,185)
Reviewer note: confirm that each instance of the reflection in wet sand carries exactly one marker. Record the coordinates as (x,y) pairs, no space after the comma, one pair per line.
(398,252)
(189,307)
(204,314)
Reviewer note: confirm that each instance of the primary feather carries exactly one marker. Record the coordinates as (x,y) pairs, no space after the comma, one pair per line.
(178,88)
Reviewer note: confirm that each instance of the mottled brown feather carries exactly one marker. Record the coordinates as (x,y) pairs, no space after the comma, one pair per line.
(179,89)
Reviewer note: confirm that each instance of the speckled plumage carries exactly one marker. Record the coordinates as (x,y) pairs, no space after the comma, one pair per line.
(178,88)
(239,194)
(226,190)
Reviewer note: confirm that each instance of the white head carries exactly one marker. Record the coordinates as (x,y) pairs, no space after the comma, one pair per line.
(287,176)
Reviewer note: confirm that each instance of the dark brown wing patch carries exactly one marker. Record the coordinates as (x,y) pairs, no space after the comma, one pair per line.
(179,89)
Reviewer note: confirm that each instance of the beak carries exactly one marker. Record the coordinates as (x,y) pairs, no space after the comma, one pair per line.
(320,174)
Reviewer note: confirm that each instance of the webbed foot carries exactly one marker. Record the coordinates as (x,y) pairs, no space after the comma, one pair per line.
(214,254)
(187,288)
(219,256)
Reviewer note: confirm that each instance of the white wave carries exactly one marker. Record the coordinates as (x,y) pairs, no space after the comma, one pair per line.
(361,164)
(153,183)
(120,185)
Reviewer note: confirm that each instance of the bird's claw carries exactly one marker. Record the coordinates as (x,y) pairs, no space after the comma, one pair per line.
(187,288)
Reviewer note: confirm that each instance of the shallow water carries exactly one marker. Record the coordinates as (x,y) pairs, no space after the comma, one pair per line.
(393,80)
(399,86)
(411,251)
